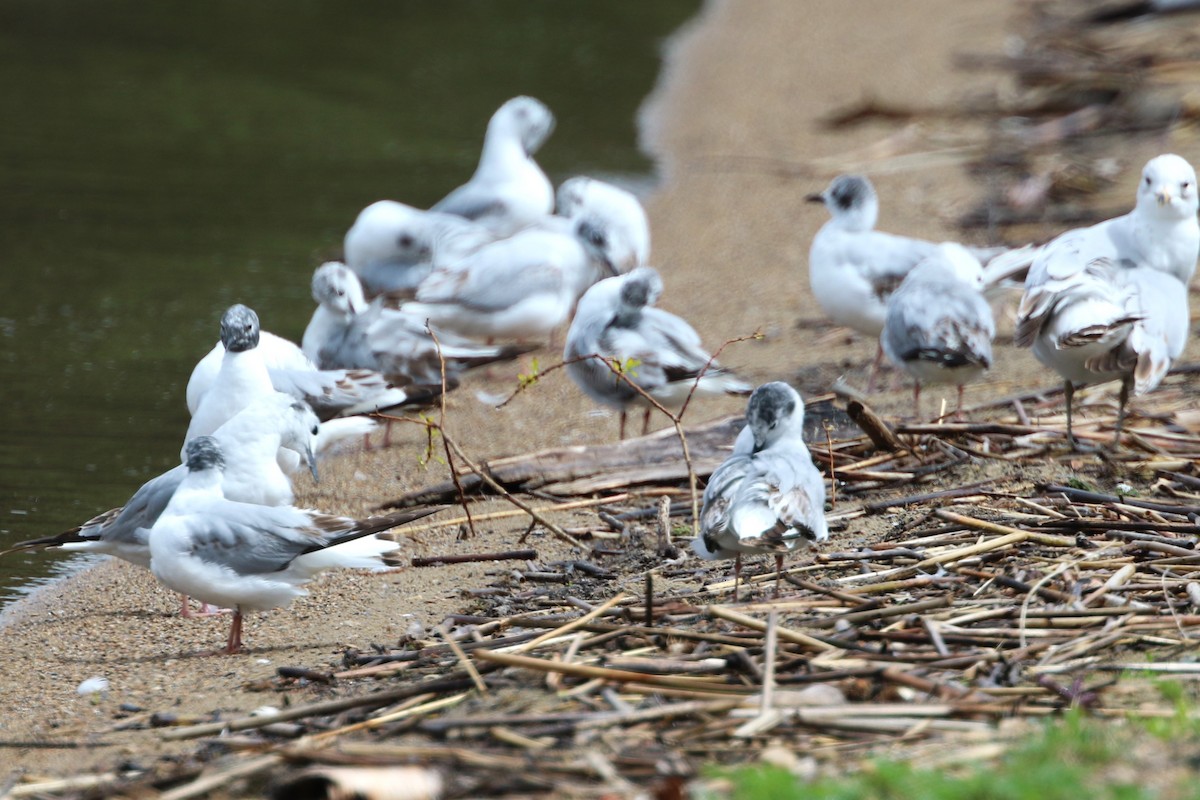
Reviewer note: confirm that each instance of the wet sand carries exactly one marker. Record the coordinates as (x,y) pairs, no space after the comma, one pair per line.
(736,122)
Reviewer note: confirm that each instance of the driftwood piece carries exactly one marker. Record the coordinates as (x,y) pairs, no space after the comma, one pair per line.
(570,471)
(873,426)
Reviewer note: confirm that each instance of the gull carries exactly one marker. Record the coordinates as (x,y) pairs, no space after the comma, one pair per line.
(1110,320)
(768,497)
(246,369)
(581,197)
(1096,306)
(251,557)
(346,331)
(525,286)
(939,327)
(853,268)
(619,341)
(508,190)
(391,246)
(250,441)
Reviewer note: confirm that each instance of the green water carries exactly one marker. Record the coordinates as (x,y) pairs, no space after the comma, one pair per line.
(160,161)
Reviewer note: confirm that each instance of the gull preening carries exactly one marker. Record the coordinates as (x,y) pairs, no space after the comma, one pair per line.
(767,497)
(853,268)
(1110,301)
(348,332)
(508,190)
(584,197)
(525,286)
(391,246)
(252,557)
(939,327)
(619,340)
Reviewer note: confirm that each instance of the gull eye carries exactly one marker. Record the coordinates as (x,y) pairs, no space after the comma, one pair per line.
(1147,180)
(405,241)
(314,430)
(1185,185)
(341,292)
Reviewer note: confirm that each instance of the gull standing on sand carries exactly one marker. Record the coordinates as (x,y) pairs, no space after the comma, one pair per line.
(1110,301)
(391,246)
(853,268)
(250,440)
(508,190)
(251,557)
(768,498)
(939,327)
(652,349)
(525,286)
(348,332)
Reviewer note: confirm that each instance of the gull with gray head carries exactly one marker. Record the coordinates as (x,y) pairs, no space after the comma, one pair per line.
(853,268)
(508,191)
(767,497)
(619,346)
(251,557)
(245,365)
(939,327)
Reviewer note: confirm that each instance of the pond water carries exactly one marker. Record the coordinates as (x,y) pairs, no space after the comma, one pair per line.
(160,161)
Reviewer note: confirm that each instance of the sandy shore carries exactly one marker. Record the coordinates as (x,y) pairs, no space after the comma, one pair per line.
(736,123)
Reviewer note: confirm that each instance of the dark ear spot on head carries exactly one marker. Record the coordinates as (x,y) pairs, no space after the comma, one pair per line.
(635,293)
(843,196)
(592,234)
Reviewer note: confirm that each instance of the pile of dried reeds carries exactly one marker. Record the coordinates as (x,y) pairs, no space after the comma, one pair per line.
(962,588)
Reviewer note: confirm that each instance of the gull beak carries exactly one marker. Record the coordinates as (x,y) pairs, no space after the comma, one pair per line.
(311,460)
(815,197)
(1164,197)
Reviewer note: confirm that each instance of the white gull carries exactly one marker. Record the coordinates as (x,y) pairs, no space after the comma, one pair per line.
(939,327)
(252,557)
(770,499)
(508,190)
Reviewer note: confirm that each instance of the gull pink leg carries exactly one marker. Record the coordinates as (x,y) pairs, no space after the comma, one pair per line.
(875,365)
(234,645)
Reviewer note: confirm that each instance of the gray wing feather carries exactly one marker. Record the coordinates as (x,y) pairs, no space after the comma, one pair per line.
(251,539)
(471,202)
(884,259)
(492,287)
(334,392)
(723,487)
